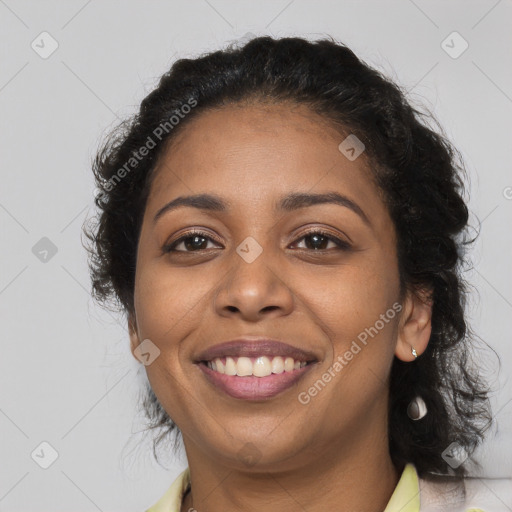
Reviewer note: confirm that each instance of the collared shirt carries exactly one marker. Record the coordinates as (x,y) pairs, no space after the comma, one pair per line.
(411,494)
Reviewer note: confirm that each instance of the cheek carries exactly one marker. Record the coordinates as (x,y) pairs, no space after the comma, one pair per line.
(169,306)
(360,310)
(358,307)
(353,297)
(166,300)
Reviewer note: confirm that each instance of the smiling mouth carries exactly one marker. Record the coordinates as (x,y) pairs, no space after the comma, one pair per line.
(252,379)
(254,368)
(260,366)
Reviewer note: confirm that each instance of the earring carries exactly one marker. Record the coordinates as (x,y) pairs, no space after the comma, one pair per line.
(417,409)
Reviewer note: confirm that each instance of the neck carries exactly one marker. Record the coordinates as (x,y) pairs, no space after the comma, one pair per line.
(357,476)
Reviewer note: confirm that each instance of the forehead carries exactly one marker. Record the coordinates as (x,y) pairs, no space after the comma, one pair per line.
(254,153)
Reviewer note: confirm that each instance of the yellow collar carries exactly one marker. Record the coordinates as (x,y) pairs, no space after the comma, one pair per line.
(405,497)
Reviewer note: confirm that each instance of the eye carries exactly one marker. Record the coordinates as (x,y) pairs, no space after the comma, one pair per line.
(193,241)
(318,239)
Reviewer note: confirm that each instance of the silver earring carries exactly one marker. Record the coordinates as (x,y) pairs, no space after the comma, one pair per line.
(417,409)
(414,353)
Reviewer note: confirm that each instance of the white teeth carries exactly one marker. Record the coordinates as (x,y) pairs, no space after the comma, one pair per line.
(230,368)
(263,366)
(277,365)
(243,367)
(212,365)
(219,366)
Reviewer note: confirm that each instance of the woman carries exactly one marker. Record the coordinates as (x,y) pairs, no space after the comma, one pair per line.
(286,238)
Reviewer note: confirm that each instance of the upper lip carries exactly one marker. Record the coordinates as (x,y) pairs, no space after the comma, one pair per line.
(253,347)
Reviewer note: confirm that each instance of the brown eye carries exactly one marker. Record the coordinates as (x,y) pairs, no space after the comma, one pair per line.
(319,240)
(196,241)
(192,241)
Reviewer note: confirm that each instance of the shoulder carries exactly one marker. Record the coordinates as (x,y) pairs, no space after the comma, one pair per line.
(171,501)
(444,494)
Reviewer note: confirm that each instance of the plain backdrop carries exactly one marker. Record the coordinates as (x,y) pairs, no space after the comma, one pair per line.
(67,376)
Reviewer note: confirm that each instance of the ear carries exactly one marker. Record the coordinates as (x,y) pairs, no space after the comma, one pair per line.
(134,336)
(415,325)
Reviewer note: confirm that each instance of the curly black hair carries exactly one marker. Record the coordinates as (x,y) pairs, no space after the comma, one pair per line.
(419,174)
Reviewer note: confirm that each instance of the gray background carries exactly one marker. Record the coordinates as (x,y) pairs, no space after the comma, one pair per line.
(67,376)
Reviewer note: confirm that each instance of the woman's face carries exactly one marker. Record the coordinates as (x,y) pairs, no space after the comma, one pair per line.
(261,270)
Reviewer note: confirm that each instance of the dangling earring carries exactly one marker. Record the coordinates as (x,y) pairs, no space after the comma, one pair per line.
(417,409)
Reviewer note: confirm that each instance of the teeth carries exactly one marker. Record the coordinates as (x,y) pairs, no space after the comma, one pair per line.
(277,365)
(243,367)
(230,368)
(288,364)
(219,366)
(260,366)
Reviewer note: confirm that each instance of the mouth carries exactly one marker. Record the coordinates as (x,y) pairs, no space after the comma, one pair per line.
(261,366)
(254,370)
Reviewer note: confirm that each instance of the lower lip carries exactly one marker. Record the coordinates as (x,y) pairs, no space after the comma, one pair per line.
(251,387)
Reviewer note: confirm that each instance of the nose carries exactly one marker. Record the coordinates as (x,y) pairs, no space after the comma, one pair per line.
(254,291)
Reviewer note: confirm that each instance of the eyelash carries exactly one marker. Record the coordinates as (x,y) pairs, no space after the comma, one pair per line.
(341,244)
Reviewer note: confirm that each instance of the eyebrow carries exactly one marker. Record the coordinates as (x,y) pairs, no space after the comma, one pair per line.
(291,202)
